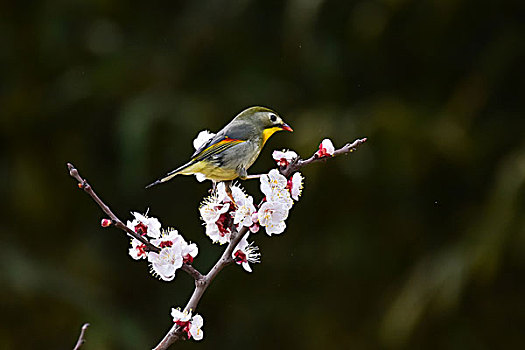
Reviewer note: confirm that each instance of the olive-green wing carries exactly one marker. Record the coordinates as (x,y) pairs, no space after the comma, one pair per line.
(214,148)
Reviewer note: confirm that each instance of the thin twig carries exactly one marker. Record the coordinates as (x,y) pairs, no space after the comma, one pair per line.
(84,185)
(81,339)
(298,163)
(175,333)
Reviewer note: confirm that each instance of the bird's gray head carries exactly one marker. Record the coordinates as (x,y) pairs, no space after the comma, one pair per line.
(264,119)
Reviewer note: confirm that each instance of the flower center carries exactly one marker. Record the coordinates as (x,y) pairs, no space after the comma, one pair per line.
(141,229)
(165,244)
(240,257)
(141,248)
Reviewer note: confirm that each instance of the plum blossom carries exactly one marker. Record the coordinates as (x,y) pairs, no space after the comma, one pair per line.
(246,253)
(272,181)
(170,238)
(189,252)
(326,149)
(212,209)
(144,225)
(284,157)
(195,330)
(220,214)
(203,137)
(190,325)
(244,212)
(272,216)
(221,236)
(274,186)
(281,196)
(137,250)
(166,262)
(295,185)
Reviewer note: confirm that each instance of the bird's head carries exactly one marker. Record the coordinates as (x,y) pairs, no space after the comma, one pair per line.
(266,121)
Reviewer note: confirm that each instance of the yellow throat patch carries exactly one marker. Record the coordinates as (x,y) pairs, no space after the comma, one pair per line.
(269,132)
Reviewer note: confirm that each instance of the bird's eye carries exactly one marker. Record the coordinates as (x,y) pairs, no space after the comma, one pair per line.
(273,118)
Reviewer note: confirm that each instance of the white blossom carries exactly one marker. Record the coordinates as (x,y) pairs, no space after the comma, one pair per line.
(203,137)
(272,181)
(195,330)
(244,212)
(295,185)
(200,177)
(246,253)
(212,208)
(190,325)
(272,216)
(281,196)
(284,157)
(144,225)
(216,235)
(166,262)
(168,238)
(189,252)
(137,250)
(180,316)
(326,149)
(171,238)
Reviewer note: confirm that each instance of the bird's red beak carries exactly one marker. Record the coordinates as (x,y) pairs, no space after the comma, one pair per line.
(286,127)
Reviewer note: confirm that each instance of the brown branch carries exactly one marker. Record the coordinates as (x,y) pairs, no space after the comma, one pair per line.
(298,163)
(175,334)
(115,221)
(81,339)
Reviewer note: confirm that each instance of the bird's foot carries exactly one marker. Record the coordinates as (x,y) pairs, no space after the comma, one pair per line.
(228,190)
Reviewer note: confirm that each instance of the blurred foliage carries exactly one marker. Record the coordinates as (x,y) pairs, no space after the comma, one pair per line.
(416,241)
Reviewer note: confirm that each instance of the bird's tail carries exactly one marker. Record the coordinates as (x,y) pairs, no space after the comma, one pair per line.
(172,174)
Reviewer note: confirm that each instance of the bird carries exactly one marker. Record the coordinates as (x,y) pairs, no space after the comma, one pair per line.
(228,155)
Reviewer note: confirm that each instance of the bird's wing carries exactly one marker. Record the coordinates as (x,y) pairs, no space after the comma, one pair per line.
(215,146)
(231,135)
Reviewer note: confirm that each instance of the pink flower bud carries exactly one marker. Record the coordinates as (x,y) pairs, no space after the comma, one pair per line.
(105,223)
(254,228)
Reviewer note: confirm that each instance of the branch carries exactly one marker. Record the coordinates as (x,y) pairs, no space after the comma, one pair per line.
(175,333)
(81,339)
(298,163)
(115,221)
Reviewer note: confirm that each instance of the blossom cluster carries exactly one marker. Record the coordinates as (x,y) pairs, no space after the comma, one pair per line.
(189,325)
(174,250)
(228,209)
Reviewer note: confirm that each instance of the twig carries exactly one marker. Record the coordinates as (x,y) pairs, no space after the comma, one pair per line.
(81,339)
(83,184)
(174,334)
(298,163)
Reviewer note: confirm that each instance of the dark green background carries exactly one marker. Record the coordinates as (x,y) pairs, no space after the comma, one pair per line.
(416,241)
